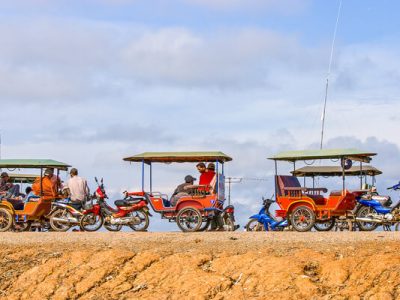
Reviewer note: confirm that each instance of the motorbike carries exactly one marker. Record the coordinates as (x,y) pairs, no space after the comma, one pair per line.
(373,210)
(264,221)
(63,215)
(131,211)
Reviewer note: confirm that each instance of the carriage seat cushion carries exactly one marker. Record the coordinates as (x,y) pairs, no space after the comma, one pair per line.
(318,199)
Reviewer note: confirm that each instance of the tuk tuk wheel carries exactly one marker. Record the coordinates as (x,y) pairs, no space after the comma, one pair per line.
(324,225)
(302,218)
(6,220)
(254,225)
(189,219)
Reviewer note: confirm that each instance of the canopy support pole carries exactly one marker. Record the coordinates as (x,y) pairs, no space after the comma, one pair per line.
(151,178)
(41,181)
(217,174)
(361,175)
(142,175)
(276,180)
(343,174)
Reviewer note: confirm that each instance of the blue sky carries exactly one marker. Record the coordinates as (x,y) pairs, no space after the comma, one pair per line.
(90,82)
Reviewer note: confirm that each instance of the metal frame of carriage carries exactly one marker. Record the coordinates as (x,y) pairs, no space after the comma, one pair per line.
(304,206)
(37,208)
(194,212)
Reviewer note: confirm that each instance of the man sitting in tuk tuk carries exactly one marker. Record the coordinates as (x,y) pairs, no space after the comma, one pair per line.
(45,186)
(180,191)
(7,188)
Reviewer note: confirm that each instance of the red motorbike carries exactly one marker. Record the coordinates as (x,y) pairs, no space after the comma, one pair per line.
(131,211)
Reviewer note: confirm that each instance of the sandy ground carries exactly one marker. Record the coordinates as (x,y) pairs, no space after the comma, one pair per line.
(243,265)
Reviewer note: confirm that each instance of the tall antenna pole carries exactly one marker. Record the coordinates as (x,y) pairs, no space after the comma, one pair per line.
(329,73)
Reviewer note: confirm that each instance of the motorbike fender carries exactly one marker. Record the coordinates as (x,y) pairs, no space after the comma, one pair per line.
(375,205)
(257,217)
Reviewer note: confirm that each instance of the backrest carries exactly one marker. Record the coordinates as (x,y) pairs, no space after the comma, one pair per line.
(39,208)
(285,181)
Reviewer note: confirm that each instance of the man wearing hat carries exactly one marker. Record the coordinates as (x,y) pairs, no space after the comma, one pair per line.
(78,188)
(180,191)
(7,189)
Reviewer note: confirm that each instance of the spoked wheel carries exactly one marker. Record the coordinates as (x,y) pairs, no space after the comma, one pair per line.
(6,219)
(60,214)
(204,226)
(254,225)
(144,220)
(302,218)
(364,212)
(325,225)
(189,219)
(91,222)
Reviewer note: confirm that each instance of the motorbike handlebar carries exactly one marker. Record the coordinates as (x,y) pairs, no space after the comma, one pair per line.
(395,187)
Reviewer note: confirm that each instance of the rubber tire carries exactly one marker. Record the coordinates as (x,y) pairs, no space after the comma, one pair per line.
(82,221)
(53,226)
(259,226)
(10,219)
(146,220)
(329,228)
(186,209)
(205,226)
(312,221)
(360,226)
(229,222)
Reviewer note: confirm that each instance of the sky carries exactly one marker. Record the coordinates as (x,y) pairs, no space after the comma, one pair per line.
(92,81)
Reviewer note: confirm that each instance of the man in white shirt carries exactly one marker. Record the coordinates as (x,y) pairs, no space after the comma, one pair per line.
(78,189)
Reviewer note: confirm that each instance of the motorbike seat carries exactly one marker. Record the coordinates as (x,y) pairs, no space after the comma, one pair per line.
(127,202)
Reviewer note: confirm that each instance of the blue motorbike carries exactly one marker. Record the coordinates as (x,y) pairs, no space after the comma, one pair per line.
(374,210)
(263,221)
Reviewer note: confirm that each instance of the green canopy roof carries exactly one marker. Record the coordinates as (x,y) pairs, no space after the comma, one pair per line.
(32,164)
(353,154)
(311,171)
(169,157)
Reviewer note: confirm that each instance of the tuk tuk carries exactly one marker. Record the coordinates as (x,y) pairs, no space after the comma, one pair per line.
(303,206)
(194,211)
(35,207)
(364,172)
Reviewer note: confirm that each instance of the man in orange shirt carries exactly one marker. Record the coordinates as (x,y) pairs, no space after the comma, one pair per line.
(47,187)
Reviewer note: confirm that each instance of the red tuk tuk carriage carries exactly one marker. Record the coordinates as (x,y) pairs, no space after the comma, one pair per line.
(363,172)
(193,212)
(35,208)
(303,206)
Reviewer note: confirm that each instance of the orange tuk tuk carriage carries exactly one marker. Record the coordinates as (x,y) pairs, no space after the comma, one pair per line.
(36,208)
(304,206)
(195,211)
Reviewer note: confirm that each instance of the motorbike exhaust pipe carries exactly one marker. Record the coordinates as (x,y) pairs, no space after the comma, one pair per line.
(369,220)
(66,221)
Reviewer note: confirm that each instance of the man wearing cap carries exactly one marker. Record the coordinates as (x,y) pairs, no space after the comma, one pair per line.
(180,191)
(78,189)
(7,189)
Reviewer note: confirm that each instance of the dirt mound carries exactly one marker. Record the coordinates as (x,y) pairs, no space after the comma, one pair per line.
(200,266)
